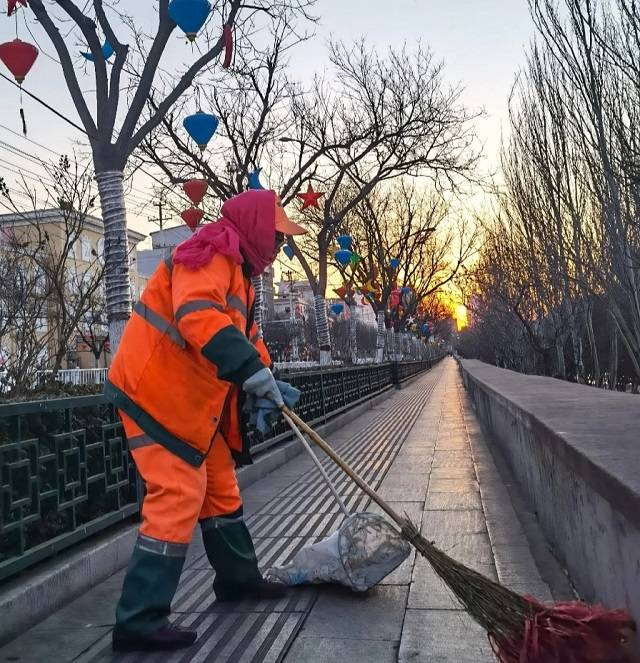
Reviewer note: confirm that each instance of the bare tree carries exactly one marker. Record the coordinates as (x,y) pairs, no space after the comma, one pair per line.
(47,239)
(119,123)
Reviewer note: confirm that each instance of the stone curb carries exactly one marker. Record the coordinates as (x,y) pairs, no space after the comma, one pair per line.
(36,594)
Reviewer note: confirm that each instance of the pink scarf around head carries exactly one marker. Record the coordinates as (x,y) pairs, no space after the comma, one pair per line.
(246,231)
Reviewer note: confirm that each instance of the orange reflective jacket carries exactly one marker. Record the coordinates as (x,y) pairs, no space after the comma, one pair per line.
(184,355)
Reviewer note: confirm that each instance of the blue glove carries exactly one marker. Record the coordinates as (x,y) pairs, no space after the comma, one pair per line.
(264,413)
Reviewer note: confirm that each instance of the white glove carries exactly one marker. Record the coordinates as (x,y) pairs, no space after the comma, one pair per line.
(263,385)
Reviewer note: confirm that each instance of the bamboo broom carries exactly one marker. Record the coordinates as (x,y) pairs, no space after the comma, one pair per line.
(520,629)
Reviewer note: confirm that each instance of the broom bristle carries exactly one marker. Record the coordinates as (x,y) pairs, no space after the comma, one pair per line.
(522,630)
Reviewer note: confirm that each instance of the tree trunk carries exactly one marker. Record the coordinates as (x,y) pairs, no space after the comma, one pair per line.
(322,329)
(116,253)
(613,356)
(562,369)
(256,282)
(353,334)
(595,359)
(380,338)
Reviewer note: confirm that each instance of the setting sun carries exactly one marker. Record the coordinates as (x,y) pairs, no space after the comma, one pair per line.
(460,316)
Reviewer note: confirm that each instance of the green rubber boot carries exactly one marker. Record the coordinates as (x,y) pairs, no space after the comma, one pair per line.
(142,614)
(230,551)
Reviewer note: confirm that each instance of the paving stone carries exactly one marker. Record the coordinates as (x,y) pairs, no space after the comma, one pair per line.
(439,524)
(443,636)
(403,494)
(340,613)
(452,501)
(60,645)
(453,486)
(452,458)
(466,472)
(330,650)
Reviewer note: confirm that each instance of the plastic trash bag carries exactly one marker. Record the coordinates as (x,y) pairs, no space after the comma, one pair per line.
(359,555)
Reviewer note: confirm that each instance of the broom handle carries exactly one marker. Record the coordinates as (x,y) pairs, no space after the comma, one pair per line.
(318,464)
(292,417)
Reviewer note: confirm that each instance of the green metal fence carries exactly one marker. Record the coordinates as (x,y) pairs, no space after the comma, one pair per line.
(65,472)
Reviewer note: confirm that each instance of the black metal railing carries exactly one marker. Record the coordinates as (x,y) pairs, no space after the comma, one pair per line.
(65,472)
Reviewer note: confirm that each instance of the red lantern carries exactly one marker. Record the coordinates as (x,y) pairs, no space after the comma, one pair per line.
(19,57)
(195,189)
(192,217)
(11,5)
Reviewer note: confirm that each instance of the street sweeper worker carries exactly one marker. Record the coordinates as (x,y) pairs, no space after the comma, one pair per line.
(189,356)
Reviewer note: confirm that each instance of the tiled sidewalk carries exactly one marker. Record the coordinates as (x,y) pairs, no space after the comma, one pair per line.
(423,450)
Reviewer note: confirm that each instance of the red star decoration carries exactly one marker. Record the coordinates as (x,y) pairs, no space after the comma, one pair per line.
(12,5)
(310,199)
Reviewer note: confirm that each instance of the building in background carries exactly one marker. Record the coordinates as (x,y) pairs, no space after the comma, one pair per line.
(77,244)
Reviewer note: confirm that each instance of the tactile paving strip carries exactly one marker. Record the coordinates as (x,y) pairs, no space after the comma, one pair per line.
(304,511)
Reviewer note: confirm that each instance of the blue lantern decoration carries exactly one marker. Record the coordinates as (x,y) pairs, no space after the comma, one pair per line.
(425,328)
(395,263)
(344,241)
(288,251)
(107,52)
(405,290)
(190,15)
(254,179)
(343,256)
(201,127)
(337,309)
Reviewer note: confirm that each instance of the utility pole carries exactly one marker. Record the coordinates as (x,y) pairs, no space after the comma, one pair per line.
(160,219)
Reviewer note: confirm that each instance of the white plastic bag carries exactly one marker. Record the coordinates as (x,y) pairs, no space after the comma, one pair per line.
(359,555)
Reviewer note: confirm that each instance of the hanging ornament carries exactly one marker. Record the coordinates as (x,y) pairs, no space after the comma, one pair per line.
(195,190)
(364,301)
(192,217)
(343,256)
(227,38)
(355,259)
(11,5)
(288,251)
(344,241)
(337,309)
(107,52)
(405,290)
(201,127)
(394,298)
(254,180)
(394,263)
(189,15)
(311,198)
(18,56)
(341,291)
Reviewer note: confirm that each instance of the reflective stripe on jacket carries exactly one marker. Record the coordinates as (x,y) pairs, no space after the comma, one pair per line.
(186,351)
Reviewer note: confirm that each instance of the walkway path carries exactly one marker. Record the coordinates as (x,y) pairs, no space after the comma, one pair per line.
(423,449)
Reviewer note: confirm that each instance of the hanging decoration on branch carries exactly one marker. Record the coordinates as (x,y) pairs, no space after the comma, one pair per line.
(343,257)
(345,241)
(189,15)
(19,56)
(254,179)
(11,5)
(227,38)
(288,251)
(310,198)
(337,309)
(195,190)
(394,263)
(107,52)
(201,126)
(192,217)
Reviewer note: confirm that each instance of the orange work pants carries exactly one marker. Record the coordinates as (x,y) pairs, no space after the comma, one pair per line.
(178,495)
